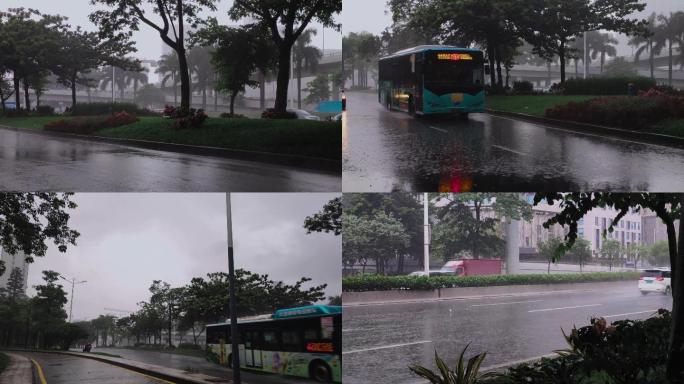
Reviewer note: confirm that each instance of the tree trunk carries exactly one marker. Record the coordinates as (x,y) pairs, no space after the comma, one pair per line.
(299,84)
(204,98)
(669,68)
(651,61)
(499,80)
(490,54)
(184,78)
(561,55)
(17,91)
(232,102)
(675,370)
(262,90)
(27,99)
(73,92)
(175,91)
(283,77)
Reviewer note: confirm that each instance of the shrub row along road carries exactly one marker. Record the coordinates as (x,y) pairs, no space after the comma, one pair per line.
(36,162)
(60,369)
(381,341)
(388,150)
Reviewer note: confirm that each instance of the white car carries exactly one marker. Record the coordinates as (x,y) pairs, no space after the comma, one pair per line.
(655,280)
(304,115)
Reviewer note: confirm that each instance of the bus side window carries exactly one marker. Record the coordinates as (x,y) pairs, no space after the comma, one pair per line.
(310,334)
(270,341)
(291,341)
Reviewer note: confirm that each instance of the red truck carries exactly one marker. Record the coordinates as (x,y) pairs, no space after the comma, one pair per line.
(471,267)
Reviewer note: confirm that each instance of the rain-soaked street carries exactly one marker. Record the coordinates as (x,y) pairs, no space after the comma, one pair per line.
(388,150)
(60,369)
(381,341)
(33,162)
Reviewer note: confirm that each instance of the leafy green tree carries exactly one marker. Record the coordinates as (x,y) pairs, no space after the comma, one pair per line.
(329,219)
(335,300)
(103,326)
(135,78)
(6,90)
(551,250)
(286,20)
(635,252)
(361,50)
(167,17)
(239,52)
(29,220)
(659,254)
(669,33)
(199,59)
(149,95)
(15,284)
(611,250)
(305,58)
(463,227)
(319,89)
(581,251)
(668,208)
(48,309)
(644,43)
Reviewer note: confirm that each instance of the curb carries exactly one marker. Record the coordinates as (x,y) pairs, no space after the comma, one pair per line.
(307,162)
(173,376)
(369,298)
(644,137)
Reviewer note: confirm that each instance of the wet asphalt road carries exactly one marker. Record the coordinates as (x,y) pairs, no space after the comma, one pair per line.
(385,151)
(33,162)
(198,364)
(60,369)
(381,341)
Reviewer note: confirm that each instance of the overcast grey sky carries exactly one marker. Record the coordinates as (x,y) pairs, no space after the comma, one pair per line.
(148,42)
(128,240)
(371,16)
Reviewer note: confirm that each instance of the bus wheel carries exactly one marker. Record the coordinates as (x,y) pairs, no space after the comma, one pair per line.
(320,372)
(230,361)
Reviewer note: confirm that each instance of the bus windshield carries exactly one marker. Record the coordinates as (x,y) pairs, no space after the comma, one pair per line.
(448,67)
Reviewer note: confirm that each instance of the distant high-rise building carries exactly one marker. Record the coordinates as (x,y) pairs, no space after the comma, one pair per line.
(13,261)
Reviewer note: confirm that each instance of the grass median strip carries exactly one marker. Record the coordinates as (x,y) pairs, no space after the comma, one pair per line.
(367,282)
(534,105)
(321,139)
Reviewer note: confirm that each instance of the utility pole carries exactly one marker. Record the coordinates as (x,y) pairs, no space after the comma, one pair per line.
(426,235)
(233,300)
(71,302)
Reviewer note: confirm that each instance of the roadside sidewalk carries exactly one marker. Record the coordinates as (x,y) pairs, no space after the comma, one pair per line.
(19,371)
(355,299)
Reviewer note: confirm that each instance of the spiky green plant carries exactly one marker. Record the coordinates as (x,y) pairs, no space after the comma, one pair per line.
(463,374)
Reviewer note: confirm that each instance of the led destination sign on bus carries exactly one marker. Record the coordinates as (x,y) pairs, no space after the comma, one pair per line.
(454,56)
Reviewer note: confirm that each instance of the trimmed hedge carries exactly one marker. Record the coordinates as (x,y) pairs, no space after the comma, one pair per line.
(99,109)
(606,85)
(363,283)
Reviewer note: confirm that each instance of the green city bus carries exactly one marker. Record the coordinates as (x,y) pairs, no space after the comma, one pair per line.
(433,79)
(303,341)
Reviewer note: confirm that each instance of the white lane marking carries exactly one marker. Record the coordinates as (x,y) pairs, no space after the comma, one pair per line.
(386,347)
(653,311)
(438,129)
(509,150)
(560,308)
(512,302)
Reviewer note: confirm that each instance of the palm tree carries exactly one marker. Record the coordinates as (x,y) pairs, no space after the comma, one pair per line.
(645,43)
(169,69)
(305,57)
(601,44)
(668,33)
(577,48)
(199,62)
(118,80)
(135,78)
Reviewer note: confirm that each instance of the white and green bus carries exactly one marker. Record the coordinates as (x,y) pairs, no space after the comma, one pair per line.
(303,341)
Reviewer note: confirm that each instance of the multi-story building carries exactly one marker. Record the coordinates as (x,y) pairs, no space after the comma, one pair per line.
(13,261)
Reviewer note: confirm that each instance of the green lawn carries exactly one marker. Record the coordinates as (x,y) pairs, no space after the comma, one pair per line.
(4,361)
(534,105)
(673,127)
(296,137)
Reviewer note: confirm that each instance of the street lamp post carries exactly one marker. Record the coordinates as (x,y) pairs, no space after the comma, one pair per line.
(71,302)
(426,235)
(233,299)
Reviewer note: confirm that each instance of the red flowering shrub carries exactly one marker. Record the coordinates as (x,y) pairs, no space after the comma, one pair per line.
(79,125)
(272,114)
(194,119)
(635,112)
(121,118)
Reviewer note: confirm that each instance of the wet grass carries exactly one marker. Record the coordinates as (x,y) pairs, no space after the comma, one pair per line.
(4,361)
(534,105)
(674,127)
(293,137)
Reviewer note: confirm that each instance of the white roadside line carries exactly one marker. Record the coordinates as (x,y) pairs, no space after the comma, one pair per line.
(386,347)
(509,150)
(561,308)
(512,302)
(653,311)
(438,129)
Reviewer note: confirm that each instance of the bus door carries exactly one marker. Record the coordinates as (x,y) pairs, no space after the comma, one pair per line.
(252,352)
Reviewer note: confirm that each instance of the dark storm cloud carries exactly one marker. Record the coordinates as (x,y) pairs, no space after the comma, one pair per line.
(128,240)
